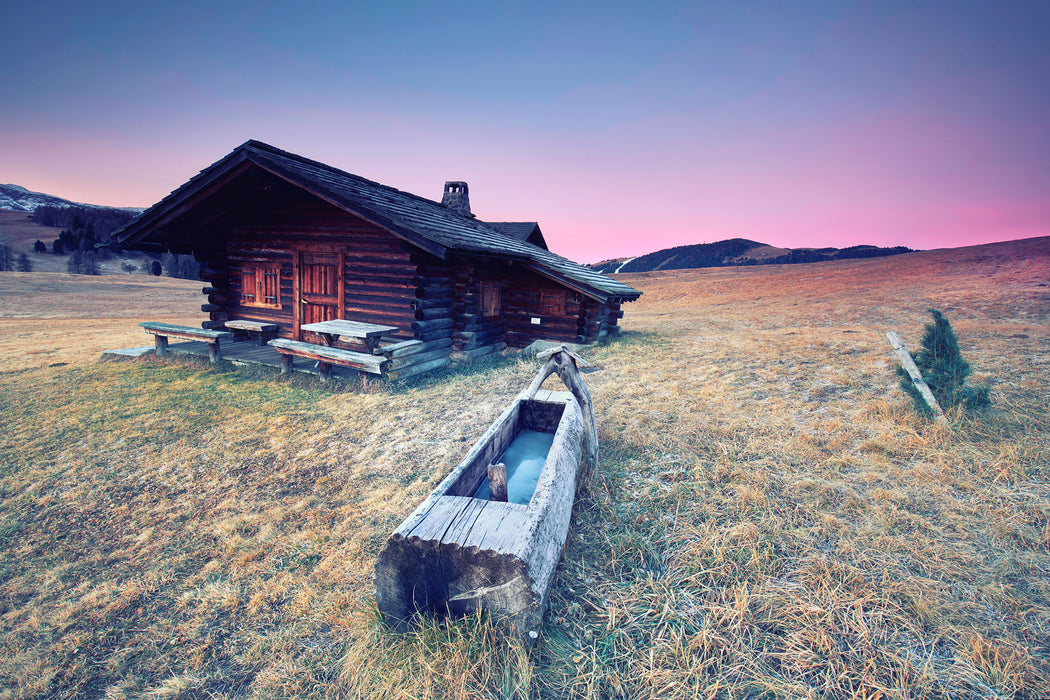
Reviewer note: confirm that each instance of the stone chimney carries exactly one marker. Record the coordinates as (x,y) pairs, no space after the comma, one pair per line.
(455,198)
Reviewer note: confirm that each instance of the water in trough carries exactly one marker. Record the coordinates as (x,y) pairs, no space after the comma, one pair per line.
(524,460)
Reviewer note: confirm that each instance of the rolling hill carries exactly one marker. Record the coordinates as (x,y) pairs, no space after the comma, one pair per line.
(18,198)
(737,252)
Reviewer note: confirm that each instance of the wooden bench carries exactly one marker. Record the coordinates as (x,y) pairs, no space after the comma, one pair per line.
(326,356)
(262,331)
(162,331)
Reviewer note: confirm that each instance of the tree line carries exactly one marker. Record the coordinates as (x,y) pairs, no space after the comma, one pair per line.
(9,261)
(84,229)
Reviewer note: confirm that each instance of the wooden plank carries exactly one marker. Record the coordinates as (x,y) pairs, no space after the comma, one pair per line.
(916,376)
(172,330)
(326,355)
(498,482)
(246,325)
(349,329)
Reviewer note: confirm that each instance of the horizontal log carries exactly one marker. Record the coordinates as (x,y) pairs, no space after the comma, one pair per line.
(212,307)
(428,314)
(224,289)
(213,325)
(416,370)
(216,277)
(381,295)
(416,359)
(354,281)
(546,326)
(219,315)
(434,335)
(476,336)
(431,281)
(488,324)
(380,266)
(432,325)
(435,271)
(378,305)
(420,257)
(430,303)
(434,293)
(464,319)
(473,354)
(412,347)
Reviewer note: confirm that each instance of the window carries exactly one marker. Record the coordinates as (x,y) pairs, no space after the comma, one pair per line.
(490,298)
(552,303)
(261,286)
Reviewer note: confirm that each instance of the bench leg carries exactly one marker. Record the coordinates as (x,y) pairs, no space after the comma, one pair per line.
(286,364)
(213,352)
(325,370)
(161,342)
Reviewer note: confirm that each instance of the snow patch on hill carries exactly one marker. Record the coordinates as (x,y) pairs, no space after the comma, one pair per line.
(18,198)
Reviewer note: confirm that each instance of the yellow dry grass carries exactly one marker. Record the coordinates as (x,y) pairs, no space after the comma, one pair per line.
(771,518)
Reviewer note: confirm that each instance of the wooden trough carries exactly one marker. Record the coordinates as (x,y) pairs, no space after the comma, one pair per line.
(461,550)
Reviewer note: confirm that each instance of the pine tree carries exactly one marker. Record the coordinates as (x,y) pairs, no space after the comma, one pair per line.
(943,368)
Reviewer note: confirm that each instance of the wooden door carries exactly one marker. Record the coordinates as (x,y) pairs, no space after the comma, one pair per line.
(320,289)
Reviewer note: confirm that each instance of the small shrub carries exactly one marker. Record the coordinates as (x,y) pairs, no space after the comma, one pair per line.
(943,368)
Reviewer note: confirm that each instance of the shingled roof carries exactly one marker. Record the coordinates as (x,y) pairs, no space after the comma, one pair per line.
(420,221)
(528,231)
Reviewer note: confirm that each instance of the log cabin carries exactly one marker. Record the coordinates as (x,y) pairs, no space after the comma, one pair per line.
(290,241)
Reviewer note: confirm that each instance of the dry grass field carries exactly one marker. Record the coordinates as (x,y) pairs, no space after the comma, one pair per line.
(770,519)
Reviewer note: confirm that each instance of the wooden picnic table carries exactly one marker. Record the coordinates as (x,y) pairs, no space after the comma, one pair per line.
(367,333)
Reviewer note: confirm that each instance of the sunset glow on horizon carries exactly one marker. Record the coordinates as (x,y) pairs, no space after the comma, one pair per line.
(621,128)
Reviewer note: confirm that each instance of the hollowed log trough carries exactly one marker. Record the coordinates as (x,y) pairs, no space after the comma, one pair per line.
(457,553)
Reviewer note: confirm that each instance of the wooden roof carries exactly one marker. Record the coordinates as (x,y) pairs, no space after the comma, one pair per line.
(528,231)
(422,222)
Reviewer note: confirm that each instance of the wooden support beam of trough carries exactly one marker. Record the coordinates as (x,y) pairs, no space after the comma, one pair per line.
(916,376)
(565,364)
(498,482)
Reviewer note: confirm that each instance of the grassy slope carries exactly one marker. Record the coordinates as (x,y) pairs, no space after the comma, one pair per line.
(20,233)
(770,516)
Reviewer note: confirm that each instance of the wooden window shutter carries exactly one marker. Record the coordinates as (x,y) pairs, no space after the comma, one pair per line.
(248,286)
(552,303)
(490,298)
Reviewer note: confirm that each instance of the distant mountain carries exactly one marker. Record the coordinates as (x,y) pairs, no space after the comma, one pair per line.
(738,251)
(18,198)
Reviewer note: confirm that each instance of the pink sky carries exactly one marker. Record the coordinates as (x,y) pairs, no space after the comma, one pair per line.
(621,132)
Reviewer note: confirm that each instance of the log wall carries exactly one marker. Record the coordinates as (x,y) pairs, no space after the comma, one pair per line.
(474,334)
(387,281)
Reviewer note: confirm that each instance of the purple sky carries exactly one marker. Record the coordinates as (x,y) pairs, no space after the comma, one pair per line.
(621,127)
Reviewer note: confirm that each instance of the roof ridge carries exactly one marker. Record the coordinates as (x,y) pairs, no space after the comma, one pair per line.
(275,151)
